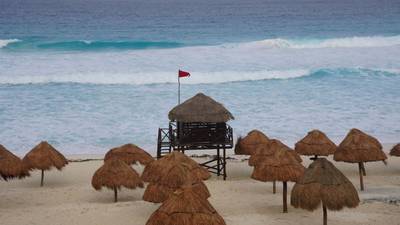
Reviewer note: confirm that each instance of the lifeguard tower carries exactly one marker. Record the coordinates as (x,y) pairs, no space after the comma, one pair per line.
(199,123)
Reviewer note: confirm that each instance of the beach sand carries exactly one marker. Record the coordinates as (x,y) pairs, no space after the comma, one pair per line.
(68,198)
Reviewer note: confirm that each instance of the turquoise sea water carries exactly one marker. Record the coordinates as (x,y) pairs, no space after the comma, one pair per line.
(90,75)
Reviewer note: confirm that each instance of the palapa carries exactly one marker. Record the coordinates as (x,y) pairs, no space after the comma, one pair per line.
(316,143)
(130,154)
(114,174)
(324,183)
(277,164)
(43,157)
(359,147)
(11,166)
(395,151)
(248,144)
(172,172)
(185,207)
(200,108)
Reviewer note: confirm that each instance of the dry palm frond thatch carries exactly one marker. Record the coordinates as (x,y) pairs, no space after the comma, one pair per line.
(115,174)
(185,207)
(278,163)
(10,165)
(200,108)
(248,144)
(130,154)
(359,147)
(395,151)
(324,183)
(43,157)
(172,172)
(315,143)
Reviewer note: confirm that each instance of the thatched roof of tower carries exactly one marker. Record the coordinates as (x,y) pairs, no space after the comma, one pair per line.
(130,154)
(200,108)
(248,144)
(43,157)
(278,164)
(115,173)
(395,151)
(315,143)
(324,183)
(185,207)
(359,147)
(11,166)
(172,172)
(268,149)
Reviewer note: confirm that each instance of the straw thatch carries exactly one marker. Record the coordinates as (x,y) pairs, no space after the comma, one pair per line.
(172,172)
(268,149)
(359,147)
(43,157)
(324,183)
(277,163)
(185,207)
(248,144)
(200,108)
(130,154)
(115,174)
(10,165)
(315,143)
(395,150)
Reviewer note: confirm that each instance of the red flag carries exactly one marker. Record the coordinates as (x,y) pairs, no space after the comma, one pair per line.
(183,74)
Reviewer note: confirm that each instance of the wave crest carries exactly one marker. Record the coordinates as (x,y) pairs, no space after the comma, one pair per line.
(4,43)
(348,42)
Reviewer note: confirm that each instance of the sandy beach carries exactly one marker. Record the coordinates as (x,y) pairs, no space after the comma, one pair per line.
(68,198)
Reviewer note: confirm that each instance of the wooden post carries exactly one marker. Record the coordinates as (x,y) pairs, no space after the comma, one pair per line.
(224,162)
(115,194)
(41,180)
(363,169)
(361,176)
(273,187)
(325,214)
(218,163)
(285,197)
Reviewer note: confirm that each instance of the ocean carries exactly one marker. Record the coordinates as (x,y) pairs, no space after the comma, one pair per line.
(88,75)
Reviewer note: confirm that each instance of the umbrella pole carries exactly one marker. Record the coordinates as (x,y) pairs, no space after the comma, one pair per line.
(274,187)
(285,197)
(363,169)
(41,180)
(361,176)
(325,214)
(115,194)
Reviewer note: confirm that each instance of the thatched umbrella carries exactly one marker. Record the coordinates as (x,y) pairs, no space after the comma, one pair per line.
(11,166)
(115,174)
(130,154)
(395,150)
(316,143)
(280,165)
(359,147)
(268,149)
(172,172)
(185,207)
(323,183)
(43,157)
(200,108)
(248,144)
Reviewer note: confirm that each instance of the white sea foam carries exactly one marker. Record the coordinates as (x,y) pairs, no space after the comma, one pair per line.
(4,43)
(153,78)
(348,42)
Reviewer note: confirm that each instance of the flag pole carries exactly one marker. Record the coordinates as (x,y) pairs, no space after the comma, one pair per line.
(179,90)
